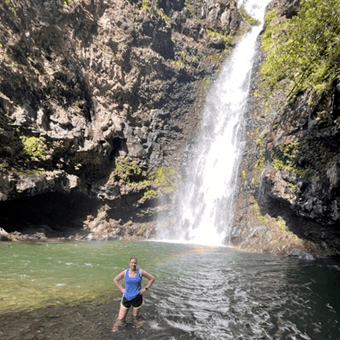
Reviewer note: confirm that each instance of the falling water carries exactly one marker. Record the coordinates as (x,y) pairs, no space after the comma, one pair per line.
(205,208)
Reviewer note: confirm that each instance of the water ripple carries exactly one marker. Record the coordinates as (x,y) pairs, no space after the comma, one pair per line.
(223,296)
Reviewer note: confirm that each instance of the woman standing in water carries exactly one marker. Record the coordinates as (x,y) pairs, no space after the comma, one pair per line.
(132,293)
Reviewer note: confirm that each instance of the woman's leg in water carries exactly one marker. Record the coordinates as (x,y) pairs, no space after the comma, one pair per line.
(121,317)
(135,321)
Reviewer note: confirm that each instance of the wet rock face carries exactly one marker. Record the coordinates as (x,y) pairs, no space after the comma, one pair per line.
(308,151)
(86,83)
(307,179)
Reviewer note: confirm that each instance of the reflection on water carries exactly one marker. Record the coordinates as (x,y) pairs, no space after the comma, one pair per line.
(199,293)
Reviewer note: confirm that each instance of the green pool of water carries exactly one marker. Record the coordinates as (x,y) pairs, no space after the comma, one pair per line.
(47,274)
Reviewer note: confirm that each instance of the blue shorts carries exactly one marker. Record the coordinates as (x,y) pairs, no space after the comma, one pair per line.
(136,302)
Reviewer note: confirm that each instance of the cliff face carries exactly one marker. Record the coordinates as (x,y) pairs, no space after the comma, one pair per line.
(98,100)
(96,97)
(289,199)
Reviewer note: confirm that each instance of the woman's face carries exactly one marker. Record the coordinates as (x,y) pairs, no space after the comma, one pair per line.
(133,264)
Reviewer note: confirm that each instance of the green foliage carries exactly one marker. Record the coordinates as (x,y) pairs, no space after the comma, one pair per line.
(285,157)
(34,147)
(228,39)
(302,53)
(306,158)
(261,142)
(146,7)
(189,5)
(31,172)
(215,57)
(263,219)
(292,187)
(68,2)
(77,106)
(164,178)
(282,225)
(244,174)
(11,6)
(149,194)
(247,18)
(125,169)
(259,166)
(162,181)
(178,63)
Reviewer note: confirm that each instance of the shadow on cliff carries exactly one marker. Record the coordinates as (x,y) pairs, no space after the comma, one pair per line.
(128,210)
(55,214)
(326,238)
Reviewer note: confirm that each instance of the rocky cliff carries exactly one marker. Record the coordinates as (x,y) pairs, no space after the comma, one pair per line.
(99,99)
(97,102)
(289,198)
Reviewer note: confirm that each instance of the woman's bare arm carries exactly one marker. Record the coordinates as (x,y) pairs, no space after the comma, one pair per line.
(116,280)
(151,279)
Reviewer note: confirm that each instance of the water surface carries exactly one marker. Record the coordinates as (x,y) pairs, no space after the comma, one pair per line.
(199,293)
(39,274)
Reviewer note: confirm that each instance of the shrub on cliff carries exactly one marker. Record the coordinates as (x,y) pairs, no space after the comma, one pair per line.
(302,53)
(34,147)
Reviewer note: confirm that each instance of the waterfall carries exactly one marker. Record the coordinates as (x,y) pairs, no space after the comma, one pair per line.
(204,210)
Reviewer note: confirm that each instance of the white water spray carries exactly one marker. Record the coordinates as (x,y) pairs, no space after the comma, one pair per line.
(205,208)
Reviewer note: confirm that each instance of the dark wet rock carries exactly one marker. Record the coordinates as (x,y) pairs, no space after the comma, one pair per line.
(301,255)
